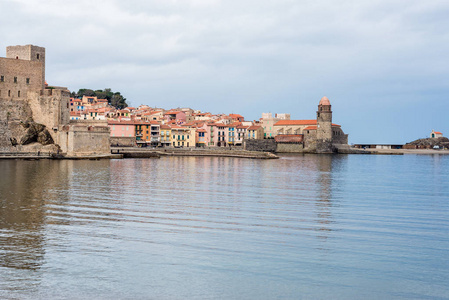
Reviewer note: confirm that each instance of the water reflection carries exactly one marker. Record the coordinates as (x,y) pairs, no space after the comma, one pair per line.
(186,227)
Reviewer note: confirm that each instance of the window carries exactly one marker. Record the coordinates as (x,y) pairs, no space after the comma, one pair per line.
(28,81)
(9,93)
(18,94)
(38,56)
(2,78)
(15,79)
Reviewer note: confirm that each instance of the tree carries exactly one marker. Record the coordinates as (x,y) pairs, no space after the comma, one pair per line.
(118,101)
(114,99)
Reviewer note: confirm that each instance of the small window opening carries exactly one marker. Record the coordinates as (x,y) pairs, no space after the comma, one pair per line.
(15,79)
(18,94)
(28,81)
(17,57)
(9,93)
(37,56)
(2,78)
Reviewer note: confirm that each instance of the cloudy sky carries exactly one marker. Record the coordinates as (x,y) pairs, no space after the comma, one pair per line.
(382,63)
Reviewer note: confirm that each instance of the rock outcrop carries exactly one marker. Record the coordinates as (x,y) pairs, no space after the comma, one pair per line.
(429,143)
(35,133)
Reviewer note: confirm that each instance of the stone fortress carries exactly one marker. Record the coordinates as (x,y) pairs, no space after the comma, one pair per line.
(35,116)
(318,135)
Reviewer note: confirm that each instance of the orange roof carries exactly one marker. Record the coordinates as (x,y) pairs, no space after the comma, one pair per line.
(310,128)
(298,122)
(235,116)
(165,127)
(295,122)
(289,138)
(254,127)
(437,132)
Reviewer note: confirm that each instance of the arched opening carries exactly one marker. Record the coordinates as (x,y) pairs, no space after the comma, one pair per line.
(17,57)
(37,56)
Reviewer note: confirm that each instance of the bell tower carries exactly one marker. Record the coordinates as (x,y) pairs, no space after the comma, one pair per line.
(324,126)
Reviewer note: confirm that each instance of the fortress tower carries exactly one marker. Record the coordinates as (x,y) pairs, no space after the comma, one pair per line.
(324,127)
(22,71)
(29,53)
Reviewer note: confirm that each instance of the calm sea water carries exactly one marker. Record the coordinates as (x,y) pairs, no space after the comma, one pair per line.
(301,227)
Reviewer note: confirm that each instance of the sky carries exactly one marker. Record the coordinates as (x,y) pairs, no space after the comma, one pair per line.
(382,63)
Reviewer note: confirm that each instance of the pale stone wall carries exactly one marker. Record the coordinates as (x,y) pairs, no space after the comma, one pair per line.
(19,77)
(30,53)
(51,109)
(289,147)
(78,140)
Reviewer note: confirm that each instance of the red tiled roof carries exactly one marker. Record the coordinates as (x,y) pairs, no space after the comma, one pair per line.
(298,122)
(254,127)
(437,132)
(295,122)
(289,138)
(310,128)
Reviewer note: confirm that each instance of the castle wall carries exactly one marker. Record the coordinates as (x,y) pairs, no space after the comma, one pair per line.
(19,76)
(338,136)
(11,113)
(289,148)
(30,53)
(50,108)
(267,145)
(78,140)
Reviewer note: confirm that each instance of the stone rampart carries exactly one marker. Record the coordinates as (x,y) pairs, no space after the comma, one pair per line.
(289,148)
(78,140)
(267,145)
(123,141)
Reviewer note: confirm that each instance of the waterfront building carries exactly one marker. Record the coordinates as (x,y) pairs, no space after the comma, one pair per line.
(212,134)
(182,136)
(222,135)
(155,130)
(143,136)
(255,132)
(166,137)
(241,134)
(232,133)
(122,128)
(267,122)
(201,138)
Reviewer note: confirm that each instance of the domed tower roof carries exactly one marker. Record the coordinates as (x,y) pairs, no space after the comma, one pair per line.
(324,101)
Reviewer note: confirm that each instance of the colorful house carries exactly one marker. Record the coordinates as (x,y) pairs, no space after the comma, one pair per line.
(166,140)
(255,132)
